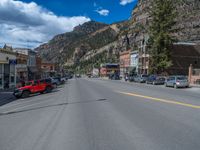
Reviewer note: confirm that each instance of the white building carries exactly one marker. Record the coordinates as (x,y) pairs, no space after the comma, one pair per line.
(134,60)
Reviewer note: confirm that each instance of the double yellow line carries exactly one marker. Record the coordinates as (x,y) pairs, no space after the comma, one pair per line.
(160,100)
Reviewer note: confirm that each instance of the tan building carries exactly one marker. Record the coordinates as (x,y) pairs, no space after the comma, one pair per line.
(7,68)
(21,67)
(48,69)
(124,62)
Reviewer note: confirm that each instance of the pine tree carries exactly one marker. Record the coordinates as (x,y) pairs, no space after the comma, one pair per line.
(163,15)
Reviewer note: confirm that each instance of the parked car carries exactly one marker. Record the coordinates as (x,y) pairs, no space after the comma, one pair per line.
(177,81)
(141,78)
(58,80)
(63,80)
(156,80)
(114,77)
(31,87)
(131,78)
(52,81)
(78,76)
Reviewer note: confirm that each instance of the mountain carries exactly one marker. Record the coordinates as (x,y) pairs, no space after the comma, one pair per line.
(100,43)
(70,47)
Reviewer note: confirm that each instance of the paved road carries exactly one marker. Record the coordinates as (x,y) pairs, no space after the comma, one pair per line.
(94,114)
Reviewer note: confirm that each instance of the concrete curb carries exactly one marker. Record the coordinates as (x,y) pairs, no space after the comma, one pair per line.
(6,90)
(194,85)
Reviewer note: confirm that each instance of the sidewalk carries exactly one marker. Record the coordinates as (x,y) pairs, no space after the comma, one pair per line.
(6,96)
(195,85)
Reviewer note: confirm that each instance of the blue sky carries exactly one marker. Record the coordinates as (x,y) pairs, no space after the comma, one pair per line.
(117,12)
(32,22)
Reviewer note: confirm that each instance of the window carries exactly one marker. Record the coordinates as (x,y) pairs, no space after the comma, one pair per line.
(12,73)
(35,82)
(28,83)
(12,78)
(1,75)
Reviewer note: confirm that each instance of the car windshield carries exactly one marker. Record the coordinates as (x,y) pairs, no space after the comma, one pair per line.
(144,76)
(161,78)
(29,83)
(181,78)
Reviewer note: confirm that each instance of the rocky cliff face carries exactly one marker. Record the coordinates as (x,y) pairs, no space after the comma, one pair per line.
(93,38)
(71,47)
(188,21)
(187,25)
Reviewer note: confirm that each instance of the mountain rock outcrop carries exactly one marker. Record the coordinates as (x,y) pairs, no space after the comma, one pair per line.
(92,38)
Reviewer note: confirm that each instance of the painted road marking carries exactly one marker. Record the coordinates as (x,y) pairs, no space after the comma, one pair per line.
(161,100)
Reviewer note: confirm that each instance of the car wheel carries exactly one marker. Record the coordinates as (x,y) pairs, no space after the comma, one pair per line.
(17,97)
(42,92)
(25,94)
(48,89)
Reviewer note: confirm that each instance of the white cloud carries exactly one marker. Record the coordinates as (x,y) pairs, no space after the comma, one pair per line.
(21,22)
(125,2)
(103,12)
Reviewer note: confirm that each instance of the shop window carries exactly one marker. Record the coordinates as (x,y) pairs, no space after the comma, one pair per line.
(12,69)
(1,80)
(12,78)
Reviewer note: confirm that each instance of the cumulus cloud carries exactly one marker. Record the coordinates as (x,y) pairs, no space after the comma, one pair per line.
(21,22)
(125,2)
(103,12)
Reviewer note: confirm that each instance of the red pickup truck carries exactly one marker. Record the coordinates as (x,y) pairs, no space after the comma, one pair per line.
(31,87)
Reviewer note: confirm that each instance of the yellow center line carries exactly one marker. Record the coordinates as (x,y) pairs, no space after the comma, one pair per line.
(161,100)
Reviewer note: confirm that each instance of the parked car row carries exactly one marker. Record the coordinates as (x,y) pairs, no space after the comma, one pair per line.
(171,81)
(38,86)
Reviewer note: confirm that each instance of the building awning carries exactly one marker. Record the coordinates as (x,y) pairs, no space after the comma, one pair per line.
(3,62)
(22,70)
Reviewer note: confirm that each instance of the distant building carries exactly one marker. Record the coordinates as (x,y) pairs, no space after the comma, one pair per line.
(7,68)
(21,67)
(124,62)
(39,67)
(31,63)
(48,69)
(183,54)
(134,61)
(108,69)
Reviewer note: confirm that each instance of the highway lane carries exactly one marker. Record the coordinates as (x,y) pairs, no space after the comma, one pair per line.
(95,114)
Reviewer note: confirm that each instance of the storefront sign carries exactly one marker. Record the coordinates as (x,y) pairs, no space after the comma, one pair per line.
(12,61)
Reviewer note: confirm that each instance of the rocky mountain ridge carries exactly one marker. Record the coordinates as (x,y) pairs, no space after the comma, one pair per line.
(92,38)
(73,45)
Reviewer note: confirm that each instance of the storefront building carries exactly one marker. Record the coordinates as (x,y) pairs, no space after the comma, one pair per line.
(109,69)
(48,69)
(134,59)
(7,69)
(124,62)
(21,67)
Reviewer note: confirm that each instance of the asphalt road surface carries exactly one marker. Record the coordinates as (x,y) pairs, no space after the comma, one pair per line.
(96,114)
